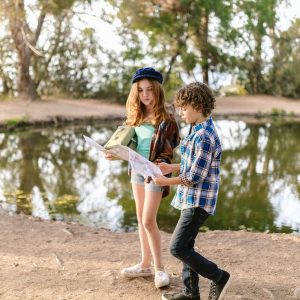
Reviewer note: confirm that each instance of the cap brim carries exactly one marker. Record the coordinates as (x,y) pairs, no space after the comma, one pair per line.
(137,78)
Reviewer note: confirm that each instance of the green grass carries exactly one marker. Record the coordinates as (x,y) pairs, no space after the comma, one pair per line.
(16,121)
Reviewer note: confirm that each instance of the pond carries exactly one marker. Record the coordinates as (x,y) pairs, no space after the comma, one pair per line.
(53,174)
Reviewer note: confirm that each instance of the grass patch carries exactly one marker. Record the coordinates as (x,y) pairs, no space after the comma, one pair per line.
(276,115)
(16,122)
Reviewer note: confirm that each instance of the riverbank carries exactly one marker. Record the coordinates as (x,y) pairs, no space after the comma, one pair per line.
(16,114)
(56,260)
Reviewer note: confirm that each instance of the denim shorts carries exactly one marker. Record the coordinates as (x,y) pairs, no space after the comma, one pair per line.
(139,179)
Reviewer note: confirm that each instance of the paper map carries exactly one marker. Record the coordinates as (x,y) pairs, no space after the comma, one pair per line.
(139,164)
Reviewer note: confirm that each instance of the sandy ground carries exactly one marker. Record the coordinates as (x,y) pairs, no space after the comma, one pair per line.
(55,260)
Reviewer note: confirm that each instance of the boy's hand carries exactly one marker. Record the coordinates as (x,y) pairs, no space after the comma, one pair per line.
(108,156)
(165,168)
(161,180)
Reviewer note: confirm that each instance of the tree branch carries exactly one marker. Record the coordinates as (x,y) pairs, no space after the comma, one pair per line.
(54,48)
(38,28)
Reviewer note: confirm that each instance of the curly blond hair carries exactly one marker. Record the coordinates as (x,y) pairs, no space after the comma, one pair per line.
(136,110)
(198,95)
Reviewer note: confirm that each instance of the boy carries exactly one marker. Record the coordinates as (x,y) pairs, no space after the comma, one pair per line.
(196,196)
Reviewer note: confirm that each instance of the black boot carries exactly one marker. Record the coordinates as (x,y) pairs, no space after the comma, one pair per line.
(217,290)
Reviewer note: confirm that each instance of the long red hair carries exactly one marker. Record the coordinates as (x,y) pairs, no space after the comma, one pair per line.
(136,110)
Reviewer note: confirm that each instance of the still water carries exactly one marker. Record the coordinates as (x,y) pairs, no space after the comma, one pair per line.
(53,174)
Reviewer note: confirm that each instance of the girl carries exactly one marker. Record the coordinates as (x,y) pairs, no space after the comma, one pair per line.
(157,135)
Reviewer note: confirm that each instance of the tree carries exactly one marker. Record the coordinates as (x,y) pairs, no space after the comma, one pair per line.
(178,31)
(25,39)
(257,19)
(283,78)
(70,64)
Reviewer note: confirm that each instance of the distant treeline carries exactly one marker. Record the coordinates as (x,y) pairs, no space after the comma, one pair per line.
(47,49)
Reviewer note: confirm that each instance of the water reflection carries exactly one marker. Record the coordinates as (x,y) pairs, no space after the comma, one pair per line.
(53,174)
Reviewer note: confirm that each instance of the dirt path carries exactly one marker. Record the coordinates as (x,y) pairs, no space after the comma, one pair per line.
(54,260)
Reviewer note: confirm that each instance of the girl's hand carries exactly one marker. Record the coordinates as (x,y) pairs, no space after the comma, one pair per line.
(165,168)
(108,156)
(161,180)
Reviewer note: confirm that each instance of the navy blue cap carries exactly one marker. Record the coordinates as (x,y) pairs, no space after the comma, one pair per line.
(147,72)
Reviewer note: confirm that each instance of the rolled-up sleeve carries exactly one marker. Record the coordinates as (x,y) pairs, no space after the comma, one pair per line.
(197,165)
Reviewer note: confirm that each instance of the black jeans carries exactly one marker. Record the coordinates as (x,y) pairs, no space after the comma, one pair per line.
(182,247)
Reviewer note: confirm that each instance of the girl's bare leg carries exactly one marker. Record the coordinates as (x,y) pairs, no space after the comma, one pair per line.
(151,205)
(139,195)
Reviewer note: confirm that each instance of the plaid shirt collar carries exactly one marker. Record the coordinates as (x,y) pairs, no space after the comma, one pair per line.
(196,127)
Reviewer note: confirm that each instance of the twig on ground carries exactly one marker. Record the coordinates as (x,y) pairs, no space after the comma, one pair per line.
(67,231)
(59,261)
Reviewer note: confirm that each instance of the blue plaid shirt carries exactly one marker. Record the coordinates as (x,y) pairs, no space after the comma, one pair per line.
(199,169)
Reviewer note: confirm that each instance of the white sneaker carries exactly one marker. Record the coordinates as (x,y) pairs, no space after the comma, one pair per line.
(161,279)
(136,271)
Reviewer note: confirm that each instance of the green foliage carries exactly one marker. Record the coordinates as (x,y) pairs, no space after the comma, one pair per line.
(276,76)
(176,31)
(115,82)
(16,121)
(259,19)
(177,37)
(283,78)
(172,85)
(69,63)
(278,116)
(115,76)
(235,90)
(189,60)
(173,38)
(56,7)
(278,112)
(65,57)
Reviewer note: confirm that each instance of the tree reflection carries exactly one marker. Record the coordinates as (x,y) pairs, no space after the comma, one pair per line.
(248,173)
(52,161)
(53,173)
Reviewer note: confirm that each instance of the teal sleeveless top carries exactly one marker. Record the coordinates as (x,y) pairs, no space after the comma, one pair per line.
(144,135)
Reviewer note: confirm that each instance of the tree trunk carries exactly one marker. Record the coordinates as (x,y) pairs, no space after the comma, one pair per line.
(204,46)
(18,27)
(275,62)
(26,87)
(257,65)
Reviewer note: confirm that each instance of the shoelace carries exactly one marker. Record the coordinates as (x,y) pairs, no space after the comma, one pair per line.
(212,291)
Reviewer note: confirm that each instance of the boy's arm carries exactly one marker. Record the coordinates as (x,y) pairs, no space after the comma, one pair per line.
(168,168)
(165,181)
(198,169)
